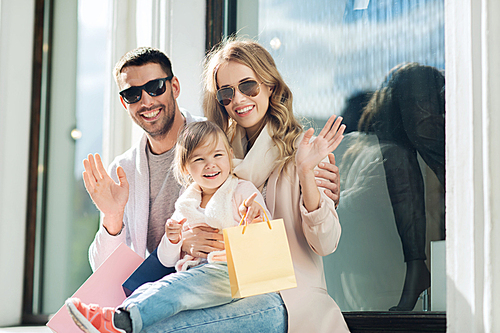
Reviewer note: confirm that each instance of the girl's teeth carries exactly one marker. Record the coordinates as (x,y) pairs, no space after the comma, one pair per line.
(212,175)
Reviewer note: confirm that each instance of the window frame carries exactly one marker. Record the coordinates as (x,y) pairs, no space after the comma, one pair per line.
(37,176)
(357,321)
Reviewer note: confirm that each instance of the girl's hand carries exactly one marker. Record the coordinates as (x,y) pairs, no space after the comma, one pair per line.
(309,154)
(173,230)
(252,209)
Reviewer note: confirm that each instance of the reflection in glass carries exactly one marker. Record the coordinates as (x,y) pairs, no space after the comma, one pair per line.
(406,116)
(336,55)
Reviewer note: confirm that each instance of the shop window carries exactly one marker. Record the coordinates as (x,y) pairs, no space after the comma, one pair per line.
(379,64)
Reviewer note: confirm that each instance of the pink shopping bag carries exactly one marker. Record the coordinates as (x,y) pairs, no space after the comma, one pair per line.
(104,287)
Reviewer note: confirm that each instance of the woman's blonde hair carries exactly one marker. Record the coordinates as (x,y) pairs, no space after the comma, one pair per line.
(195,135)
(282,124)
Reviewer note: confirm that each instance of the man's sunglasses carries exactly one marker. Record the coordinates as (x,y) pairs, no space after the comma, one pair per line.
(153,88)
(250,88)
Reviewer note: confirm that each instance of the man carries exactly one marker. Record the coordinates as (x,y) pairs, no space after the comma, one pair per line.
(140,197)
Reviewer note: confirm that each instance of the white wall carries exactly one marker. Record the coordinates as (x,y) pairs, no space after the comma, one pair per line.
(472,161)
(16,45)
(491,112)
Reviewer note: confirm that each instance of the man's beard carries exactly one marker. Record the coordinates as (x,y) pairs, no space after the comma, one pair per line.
(167,120)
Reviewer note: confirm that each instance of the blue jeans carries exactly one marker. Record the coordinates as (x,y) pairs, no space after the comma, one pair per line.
(200,300)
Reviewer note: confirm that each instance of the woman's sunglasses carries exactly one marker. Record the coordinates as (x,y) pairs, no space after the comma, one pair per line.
(153,88)
(250,88)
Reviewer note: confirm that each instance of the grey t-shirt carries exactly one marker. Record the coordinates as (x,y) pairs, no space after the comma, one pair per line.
(163,193)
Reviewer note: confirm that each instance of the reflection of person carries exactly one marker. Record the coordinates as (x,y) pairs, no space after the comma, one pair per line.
(144,190)
(407,115)
(364,277)
(246,96)
(353,110)
(367,270)
(214,196)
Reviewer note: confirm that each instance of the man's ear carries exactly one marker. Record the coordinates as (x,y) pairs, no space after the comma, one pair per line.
(123,103)
(176,87)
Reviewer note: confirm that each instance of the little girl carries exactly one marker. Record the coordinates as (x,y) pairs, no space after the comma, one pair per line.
(205,166)
(214,197)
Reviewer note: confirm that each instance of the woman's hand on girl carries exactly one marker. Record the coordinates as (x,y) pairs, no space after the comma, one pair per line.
(173,230)
(251,209)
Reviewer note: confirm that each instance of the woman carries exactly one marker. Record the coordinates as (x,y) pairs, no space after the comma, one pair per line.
(246,96)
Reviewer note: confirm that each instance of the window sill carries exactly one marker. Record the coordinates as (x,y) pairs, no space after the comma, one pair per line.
(414,321)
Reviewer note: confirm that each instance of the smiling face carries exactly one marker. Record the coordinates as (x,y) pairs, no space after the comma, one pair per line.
(209,165)
(155,115)
(248,112)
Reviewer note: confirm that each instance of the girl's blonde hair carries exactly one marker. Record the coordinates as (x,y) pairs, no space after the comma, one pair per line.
(282,124)
(195,135)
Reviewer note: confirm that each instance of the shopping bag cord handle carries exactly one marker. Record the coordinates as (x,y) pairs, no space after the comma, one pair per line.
(243,221)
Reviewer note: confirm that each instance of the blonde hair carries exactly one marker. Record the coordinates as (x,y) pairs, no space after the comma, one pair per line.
(282,124)
(195,135)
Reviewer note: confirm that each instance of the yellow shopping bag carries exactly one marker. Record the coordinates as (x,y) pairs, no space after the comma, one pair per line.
(258,258)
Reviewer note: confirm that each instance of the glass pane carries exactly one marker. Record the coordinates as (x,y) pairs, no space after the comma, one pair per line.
(77,95)
(337,56)
(91,74)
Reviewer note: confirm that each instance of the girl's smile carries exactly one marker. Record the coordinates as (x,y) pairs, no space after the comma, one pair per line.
(209,166)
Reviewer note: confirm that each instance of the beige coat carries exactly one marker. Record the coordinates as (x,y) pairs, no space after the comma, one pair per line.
(310,235)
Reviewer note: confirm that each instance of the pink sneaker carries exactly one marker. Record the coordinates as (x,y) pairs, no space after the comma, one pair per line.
(92,318)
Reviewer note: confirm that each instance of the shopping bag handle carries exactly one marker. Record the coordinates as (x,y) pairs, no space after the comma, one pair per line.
(245,222)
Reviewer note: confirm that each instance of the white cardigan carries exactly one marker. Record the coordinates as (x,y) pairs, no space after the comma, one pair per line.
(136,216)
(221,212)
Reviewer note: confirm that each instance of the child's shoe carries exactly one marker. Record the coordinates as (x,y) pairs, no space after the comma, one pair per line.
(92,318)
